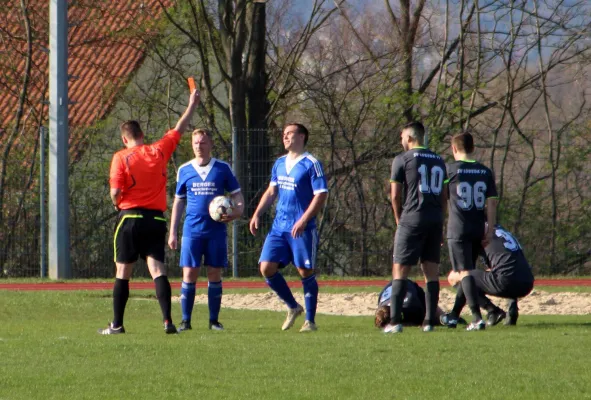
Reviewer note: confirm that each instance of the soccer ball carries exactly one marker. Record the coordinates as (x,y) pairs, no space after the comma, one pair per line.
(218,206)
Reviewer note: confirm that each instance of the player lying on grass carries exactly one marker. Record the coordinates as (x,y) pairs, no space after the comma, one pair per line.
(509,276)
(413,306)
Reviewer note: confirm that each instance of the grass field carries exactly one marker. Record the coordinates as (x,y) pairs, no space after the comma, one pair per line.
(49,349)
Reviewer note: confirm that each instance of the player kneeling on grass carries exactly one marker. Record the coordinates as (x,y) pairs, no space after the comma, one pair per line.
(413,306)
(297,179)
(509,276)
(198,182)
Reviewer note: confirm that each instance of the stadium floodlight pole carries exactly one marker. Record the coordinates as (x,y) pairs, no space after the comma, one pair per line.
(235,222)
(59,207)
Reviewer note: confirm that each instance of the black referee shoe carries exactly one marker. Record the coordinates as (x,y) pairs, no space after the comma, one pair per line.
(169,328)
(494,317)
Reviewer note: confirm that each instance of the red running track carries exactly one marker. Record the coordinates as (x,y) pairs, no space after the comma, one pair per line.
(243,285)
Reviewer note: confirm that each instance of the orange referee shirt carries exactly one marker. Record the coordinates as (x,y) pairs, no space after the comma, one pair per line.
(140,173)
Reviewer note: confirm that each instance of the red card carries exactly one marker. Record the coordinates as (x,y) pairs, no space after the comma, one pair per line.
(192,86)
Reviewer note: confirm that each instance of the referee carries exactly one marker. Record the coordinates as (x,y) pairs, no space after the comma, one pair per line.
(138,191)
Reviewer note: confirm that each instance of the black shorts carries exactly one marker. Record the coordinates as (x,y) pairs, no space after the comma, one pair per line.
(414,243)
(139,233)
(501,286)
(464,253)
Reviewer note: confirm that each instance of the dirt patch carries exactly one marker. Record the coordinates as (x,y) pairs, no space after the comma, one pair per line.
(537,303)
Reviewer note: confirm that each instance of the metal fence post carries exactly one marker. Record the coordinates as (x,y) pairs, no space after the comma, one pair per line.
(42,216)
(235,222)
(59,203)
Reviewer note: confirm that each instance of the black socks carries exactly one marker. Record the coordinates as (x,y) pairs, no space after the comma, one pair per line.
(397,299)
(120,296)
(163,293)
(471,293)
(431,300)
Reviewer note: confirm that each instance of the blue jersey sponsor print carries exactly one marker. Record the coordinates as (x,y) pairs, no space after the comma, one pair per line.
(199,185)
(298,181)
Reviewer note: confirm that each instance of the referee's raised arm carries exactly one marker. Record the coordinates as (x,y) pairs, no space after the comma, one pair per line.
(181,125)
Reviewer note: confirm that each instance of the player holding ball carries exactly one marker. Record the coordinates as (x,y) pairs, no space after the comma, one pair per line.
(204,239)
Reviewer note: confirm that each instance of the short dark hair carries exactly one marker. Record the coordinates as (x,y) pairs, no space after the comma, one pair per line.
(464,142)
(300,129)
(132,130)
(417,129)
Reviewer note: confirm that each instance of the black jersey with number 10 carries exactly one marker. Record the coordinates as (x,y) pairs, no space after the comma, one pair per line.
(470,184)
(422,174)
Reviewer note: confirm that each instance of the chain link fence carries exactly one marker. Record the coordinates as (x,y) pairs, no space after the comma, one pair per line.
(356,226)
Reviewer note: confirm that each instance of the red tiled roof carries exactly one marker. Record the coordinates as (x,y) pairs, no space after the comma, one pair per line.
(105,47)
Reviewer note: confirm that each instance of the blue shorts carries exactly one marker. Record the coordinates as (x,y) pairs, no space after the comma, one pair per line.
(213,251)
(282,248)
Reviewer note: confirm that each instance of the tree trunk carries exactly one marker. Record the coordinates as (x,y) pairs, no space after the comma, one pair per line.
(259,154)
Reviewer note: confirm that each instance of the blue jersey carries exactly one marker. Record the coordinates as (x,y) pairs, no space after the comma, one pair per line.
(298,181)
(199,185)
(413,299)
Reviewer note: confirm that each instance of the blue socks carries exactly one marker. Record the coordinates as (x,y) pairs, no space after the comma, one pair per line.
(310,296)
(187,299)
(278,285)
(214,299)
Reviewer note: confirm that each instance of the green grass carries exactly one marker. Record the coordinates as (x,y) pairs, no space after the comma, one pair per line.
(49,349)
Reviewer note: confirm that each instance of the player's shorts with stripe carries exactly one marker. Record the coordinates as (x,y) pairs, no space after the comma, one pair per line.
(282,248)
(464,253)
(213,250)
(509,287)
(139,233)
(418,242)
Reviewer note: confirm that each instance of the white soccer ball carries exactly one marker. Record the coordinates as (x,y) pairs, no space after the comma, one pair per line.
(218,206)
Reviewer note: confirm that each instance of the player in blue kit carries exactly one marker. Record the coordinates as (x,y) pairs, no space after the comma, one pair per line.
(298,181)
(198,182)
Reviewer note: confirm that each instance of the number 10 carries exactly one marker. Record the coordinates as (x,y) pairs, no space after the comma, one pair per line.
(433,185)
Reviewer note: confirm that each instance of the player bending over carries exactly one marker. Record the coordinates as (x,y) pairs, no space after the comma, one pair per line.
(509,276)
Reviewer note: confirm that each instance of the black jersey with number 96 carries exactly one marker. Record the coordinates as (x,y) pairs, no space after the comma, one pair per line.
(470,184)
